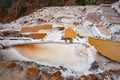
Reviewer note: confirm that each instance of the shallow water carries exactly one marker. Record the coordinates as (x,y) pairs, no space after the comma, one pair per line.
(108,48)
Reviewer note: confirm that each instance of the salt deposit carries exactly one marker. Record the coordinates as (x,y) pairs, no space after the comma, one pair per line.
(83,31)
(56,37)
(72,56)
(99,32)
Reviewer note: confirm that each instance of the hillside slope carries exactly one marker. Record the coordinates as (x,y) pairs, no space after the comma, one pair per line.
(14,9)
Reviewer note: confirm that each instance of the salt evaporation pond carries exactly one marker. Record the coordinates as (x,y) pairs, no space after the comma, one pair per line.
(77,57)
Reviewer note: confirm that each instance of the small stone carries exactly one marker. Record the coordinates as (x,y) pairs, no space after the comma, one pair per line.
(33,71)
(12,65)
(26,21)
(94,66)
(93,77)
(84,78)
(45,77)
(61,28)
(57,74)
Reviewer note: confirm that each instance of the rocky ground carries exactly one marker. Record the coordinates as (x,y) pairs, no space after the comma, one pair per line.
(22,8)
(67,26)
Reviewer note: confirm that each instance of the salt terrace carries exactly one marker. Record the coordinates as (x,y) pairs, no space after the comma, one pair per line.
(56,43)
